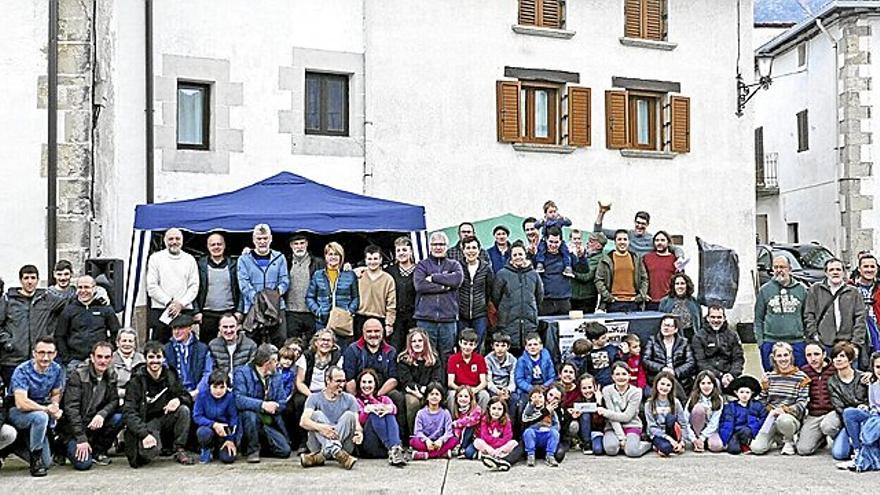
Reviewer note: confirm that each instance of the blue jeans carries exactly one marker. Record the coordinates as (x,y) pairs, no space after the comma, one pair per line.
(852,420)
(380,436)
(276,444)
(36,423)
(586,435)
(800,357)
(442,335)
(208,439)
(100,441)
(480,325)
(546,440)
(660,442)
(841,448)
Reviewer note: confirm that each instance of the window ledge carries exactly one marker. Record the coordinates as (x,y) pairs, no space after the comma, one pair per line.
(544,148)
(657,155)
(642,43)
(542,31)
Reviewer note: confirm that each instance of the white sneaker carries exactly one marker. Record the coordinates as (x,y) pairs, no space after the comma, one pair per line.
(788,449)
(846,465)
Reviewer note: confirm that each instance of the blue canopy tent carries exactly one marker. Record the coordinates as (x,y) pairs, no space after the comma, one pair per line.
(287,202)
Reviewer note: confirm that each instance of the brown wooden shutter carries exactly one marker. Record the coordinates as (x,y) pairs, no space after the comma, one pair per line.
(681,124)
(551,15)
(579,110)
(528,12)
(632,12)
(653,17)
(615,120)
(507,94)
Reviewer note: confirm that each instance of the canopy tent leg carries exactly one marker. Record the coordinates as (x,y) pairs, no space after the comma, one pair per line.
(419,242)
(137,262)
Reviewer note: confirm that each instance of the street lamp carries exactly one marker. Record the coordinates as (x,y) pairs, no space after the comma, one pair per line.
(746,92)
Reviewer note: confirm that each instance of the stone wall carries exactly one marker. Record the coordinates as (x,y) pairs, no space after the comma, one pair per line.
(854,113)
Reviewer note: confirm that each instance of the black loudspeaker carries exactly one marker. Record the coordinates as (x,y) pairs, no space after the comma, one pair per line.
(109,274)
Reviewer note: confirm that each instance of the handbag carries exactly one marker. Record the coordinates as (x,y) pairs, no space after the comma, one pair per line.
(340,321)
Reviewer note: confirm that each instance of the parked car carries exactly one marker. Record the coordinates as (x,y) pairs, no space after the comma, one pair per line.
(807,261)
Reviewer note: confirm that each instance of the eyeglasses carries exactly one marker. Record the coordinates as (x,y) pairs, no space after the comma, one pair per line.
(438,244)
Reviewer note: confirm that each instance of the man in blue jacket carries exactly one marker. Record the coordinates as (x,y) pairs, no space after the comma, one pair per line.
(261,400)
(260,269)
(187,356)
(557,284)
(437,279)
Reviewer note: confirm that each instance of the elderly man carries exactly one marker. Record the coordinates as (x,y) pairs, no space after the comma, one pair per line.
(125,358)
(26,314)
(232,348)
(370,351)
(172,284)
(835,311)
(91,405)
(261,398)
(36,389)
(264,269)
(83,323)
(437,279)
(300,321)
(218,288)
(155,403)
(187,356)
(331,418)
(779,313)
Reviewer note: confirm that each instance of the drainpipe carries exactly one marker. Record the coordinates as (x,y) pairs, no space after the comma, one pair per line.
(52,144)
(148,90)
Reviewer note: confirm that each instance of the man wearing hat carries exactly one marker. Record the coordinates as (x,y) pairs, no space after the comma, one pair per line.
(499,253)
(584,296)
(186,355)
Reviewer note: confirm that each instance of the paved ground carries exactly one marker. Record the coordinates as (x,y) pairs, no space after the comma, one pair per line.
(693,473)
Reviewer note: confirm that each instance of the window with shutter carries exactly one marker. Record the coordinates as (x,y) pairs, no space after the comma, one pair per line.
(680,141)
(646,19)
(541,13)
(616,134)
(579,118)
(803,131)
(508,111)
(759,156)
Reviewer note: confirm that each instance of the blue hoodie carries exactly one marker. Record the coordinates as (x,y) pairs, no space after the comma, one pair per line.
(735,416)
(531,372)
(208,410)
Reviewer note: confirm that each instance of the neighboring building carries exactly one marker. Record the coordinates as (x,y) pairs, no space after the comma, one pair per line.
(472,111)
(814,146)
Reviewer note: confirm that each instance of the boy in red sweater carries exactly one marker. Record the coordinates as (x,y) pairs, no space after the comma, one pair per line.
(633,356)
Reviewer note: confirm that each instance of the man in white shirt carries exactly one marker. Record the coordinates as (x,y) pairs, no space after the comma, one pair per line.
(172,284)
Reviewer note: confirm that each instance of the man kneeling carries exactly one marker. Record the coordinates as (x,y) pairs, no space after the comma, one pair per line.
(330,417)
(261,399)
(155,404)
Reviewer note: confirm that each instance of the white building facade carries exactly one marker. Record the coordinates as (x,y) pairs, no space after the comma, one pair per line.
(472,111)
(814,144)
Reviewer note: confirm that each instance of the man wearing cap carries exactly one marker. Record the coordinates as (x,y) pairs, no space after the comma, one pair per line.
(584,296)
(172,284)
(300,321)
(187,356)
(499,253)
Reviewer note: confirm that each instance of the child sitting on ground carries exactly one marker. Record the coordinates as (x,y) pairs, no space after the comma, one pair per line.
(591,426)
(216,418)
(705,405)
(541,425)
(742,418)
(551,219)
(432,436)
(494,440)
(465,418)
(467,368)
(667,420)
(534,367)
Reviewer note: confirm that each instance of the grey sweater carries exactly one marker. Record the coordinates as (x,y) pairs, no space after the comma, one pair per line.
(845,395)
(623,409)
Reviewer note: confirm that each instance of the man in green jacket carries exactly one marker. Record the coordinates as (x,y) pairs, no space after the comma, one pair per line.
(584,296)
(779,313)
(621,279)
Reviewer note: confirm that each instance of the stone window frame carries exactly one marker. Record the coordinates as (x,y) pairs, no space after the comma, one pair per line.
(225,95)
(291,121)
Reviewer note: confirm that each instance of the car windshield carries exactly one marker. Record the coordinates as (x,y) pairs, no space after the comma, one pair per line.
(792,260)
(815,257)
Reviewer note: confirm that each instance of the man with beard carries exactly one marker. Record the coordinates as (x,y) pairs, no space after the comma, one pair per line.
(465,231)
(261,399)
(717,347)
(218,288)
(835,311)
(264,269)
(331,418)
(620,278)
(779,313)
(866,282)
(660,265)
(63,273)
(300,321)
(172,284)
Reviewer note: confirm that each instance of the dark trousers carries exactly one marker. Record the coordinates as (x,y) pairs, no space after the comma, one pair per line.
(624,307)
(292,415)
(359,321)
(397,397)
(403,323)
(209,328)
(587,305)
(740,438)
(260,437)
(300,325)
(552,307)
(158,330)
(174,425)
(100,441)
(652,306)
(660,442)
(208,439)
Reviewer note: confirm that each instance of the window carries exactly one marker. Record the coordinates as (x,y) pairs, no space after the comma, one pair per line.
(641,120)
(803,131)
(793,237)
(646,19)
(542,13)
(802,54)
(326,104)
(193,115)
(543,113)
(759,155)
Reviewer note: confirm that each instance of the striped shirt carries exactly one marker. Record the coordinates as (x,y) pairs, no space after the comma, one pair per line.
(788,389)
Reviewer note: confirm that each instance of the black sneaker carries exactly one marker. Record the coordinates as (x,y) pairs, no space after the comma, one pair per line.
(183,457)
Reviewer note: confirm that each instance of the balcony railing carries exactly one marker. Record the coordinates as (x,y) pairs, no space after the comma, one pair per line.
(766,181)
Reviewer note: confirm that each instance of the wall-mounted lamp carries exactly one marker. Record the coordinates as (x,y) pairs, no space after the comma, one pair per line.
(745,92)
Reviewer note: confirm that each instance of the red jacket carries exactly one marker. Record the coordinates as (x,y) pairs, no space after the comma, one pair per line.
(637,375)
(820,398)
